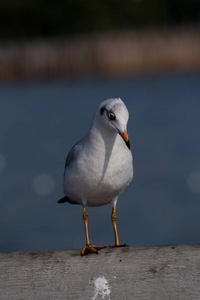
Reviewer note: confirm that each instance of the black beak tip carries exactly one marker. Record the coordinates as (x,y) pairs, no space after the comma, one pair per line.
(128,144)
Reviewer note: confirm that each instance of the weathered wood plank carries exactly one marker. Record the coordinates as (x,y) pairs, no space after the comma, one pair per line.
(158,272)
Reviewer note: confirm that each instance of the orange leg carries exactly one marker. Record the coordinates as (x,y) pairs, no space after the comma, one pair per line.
(89,249)
(114,222)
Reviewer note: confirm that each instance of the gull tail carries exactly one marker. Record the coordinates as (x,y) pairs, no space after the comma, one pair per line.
(64,199)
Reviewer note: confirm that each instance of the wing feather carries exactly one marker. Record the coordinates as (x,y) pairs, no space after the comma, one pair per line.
(72,154)
(70,158)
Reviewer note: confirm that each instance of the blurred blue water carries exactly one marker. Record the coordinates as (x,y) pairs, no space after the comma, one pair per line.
(40,121)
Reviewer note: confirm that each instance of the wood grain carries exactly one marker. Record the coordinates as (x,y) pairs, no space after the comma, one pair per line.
(157,272)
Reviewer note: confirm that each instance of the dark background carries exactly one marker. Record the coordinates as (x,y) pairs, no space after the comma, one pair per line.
(41,118)
(40,121)
(44,18)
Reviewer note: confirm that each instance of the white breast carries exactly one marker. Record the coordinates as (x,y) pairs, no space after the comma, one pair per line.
(101,171)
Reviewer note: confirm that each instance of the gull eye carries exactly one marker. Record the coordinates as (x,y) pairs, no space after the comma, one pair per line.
(111,116)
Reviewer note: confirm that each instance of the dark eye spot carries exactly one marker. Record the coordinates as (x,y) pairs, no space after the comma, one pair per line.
(111,116)
(102,110)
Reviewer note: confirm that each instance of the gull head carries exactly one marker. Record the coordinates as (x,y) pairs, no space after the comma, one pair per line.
(113,115)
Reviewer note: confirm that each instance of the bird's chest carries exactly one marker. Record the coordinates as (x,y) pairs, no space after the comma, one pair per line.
(100,173)
(106,167)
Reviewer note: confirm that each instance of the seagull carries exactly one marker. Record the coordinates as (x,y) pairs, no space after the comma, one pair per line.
(99,167)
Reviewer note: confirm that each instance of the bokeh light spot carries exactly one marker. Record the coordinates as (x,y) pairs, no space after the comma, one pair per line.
(193,182)
(43,184)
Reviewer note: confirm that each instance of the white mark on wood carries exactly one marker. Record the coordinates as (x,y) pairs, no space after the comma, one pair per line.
(101,288)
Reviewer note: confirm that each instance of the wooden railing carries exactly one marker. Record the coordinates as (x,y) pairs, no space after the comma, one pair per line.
(153,272)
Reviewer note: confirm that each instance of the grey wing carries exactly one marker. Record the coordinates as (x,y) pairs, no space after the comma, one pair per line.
(70,158)
(72,154)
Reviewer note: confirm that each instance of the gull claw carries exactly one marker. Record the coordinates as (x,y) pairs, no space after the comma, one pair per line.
(123,245)
(91,249)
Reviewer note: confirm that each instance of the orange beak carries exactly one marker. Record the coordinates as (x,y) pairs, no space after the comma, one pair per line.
(125,137)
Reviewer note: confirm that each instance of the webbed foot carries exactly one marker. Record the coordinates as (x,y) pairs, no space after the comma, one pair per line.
(91,249)
(124,245)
